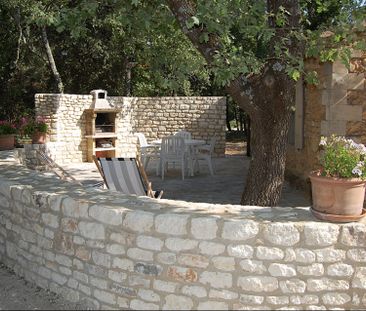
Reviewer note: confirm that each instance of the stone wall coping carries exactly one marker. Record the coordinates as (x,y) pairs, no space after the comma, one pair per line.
(132,97)
(17,176)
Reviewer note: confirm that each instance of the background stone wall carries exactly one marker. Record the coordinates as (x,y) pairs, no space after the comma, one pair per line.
(336,106)
(111,251)
(204,117)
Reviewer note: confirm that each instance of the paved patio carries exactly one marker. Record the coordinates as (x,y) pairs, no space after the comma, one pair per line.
(225,187)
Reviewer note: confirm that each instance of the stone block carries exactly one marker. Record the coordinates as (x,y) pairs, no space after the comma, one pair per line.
(104,296)
(140,254)
(149,242)
(148,269)
(304,255)
(253,266)
(224,263)
(106,215)
(175,302)
(223,294)
(211,248)
(340,270)
(337,127)
(139,221)
(292,286)
(330,255)
(277,269)
(182,274)
(356,128)
(251,299)
(101,259)
(193,260)
(240,230)
(92,230)
(172,224)
(148,295)
(241,251)
(167,258)
(164,286)
(216,279)
(50,220)
(269,253)
(326,284)
(359,279)
(281,234)
(115,249)
(194,291)
(315,269)
(204,228)
(213,305)
(178,245)
(320,234)
(353,235)
(258,283)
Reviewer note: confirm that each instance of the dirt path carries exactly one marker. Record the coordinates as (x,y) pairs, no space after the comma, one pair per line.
(18,294)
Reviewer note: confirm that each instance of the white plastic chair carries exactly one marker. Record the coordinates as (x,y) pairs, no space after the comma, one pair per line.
(173,150)
(205,152)
(184,134)
(147,150)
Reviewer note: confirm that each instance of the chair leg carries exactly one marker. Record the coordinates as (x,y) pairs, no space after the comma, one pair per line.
(183,168)
(146,162)
(162,169)
(209,163)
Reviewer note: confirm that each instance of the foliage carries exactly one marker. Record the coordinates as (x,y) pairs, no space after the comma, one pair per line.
(341,157)
(7,128)
(28,126)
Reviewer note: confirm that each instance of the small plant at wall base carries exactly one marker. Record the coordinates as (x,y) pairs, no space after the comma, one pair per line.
(338,188)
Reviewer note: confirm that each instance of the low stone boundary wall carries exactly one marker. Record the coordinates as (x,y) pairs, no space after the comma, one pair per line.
(111,251)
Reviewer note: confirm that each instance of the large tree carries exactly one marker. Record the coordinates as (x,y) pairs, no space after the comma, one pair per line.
(258,49)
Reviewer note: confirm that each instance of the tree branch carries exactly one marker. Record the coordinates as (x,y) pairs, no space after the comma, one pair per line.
(51,61)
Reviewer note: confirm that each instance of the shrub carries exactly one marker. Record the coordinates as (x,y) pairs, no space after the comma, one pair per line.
(342,158)
(7,128)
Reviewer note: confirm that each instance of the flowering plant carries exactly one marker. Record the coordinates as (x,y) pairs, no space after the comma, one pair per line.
(29,126)
(342,158)
(7,128)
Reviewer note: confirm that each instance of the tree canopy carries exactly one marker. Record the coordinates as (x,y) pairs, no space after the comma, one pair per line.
(253,50)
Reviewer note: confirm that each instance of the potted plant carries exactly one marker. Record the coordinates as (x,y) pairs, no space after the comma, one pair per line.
(34,128)
(7,135)
(40,131)
(338,187)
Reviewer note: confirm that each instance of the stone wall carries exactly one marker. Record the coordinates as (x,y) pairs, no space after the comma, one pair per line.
(337,105)
(111,251)
(204,117)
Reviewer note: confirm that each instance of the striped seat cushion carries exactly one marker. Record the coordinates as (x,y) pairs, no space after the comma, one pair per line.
(122,174)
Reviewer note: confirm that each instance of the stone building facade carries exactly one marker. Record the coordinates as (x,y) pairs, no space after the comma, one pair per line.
(337,105)
(204,117)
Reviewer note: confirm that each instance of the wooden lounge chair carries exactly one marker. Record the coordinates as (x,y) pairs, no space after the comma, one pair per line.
(126,175)
(58,170)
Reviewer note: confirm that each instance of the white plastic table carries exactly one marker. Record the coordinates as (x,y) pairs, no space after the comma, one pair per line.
(192,144)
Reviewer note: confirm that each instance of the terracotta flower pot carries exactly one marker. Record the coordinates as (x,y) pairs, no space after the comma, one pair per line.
(39,138)
(7,142)
(337,196)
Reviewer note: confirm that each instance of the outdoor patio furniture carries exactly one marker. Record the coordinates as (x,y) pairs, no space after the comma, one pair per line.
(147,151)
(173,150)
(205,153)
(184,134)
(126,175)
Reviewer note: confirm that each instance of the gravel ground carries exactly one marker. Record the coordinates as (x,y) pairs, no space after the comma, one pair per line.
(18,294)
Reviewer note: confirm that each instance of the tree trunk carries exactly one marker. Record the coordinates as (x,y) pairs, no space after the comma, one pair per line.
(51,60)
(273,95)
(266,97)
(248,136)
